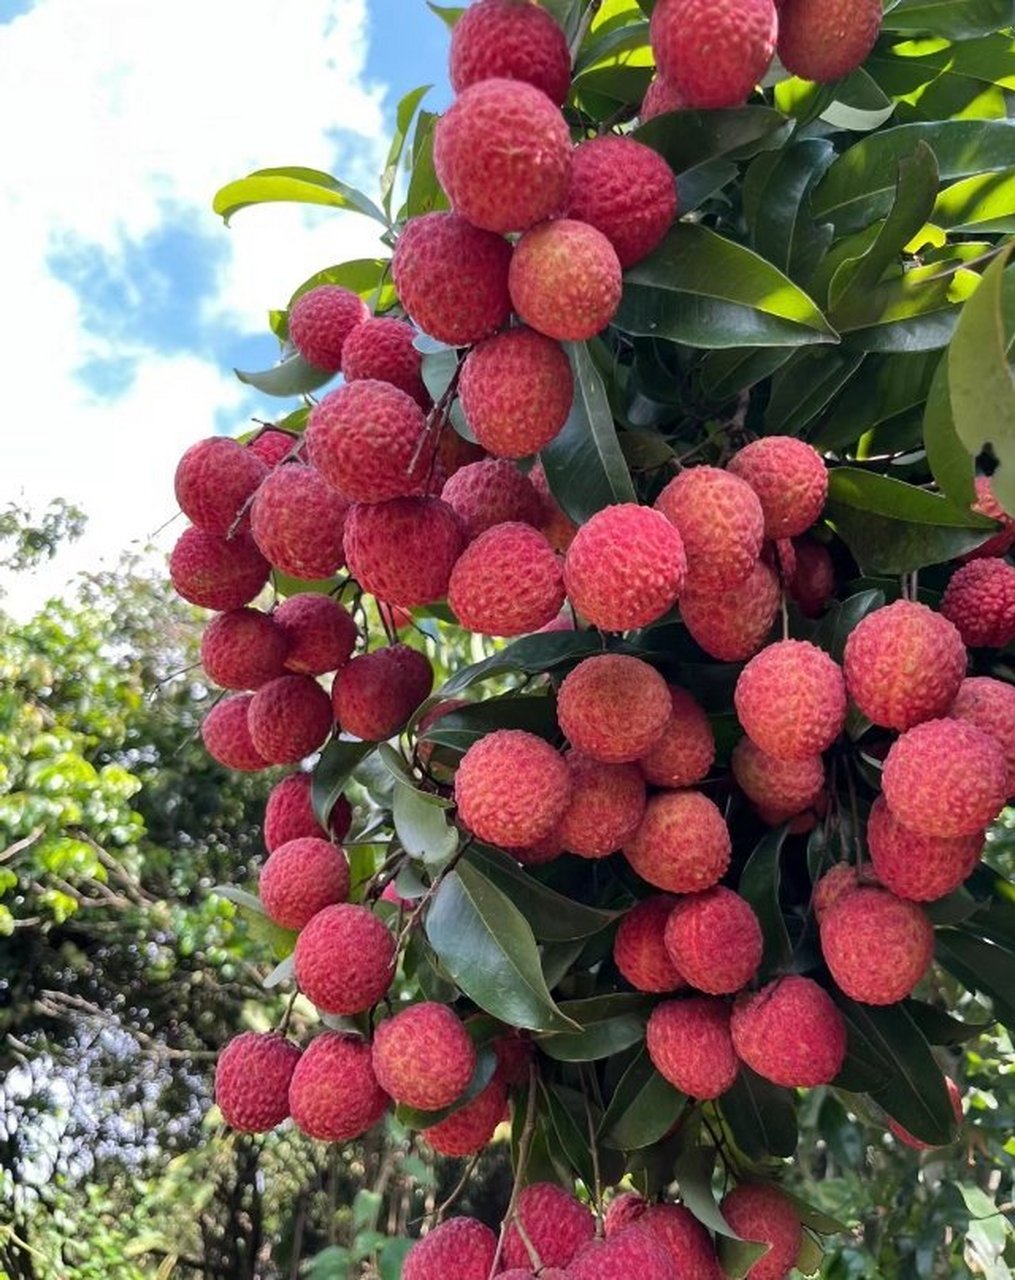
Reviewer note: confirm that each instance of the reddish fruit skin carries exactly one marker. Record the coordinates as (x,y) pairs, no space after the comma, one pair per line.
(826,41)
(452,277)
(980,601)
(242,649)
(471,1127)
(990,705)
(613,708)
(217,573)
(491,492)
(715,941)
(565,280)
(839,880)
(625,190)
(502,153)
(791,700)
(685,1239)
(921,868)
(720,520)
(625,567)
(607,804)
(686,751)
(319,632)
(945,778)
(321,320)
(788,785)
(639,949)
(660,98)
(375,694)
(344,959)
(908,1139)
(690,1045)
(812,583)
(333,1094)
(904,664)
(461,1247)
(623,1210)
(289,719)
(289,813)
(301,878)
(514,1058)
(252,1078)
(759,1211)
(423,1056)
(732,625)
(682,844)
(225,731)
(507,582)
(554,524)
(504,39)
(512,788)
(403,551)
(516,391)
(790,1032)
(987,505)
(790,480)
(272,446)
(630,1252)
(556,1223)
(714,54)
(877,946)
(381,349)
(298,522)
(214,479)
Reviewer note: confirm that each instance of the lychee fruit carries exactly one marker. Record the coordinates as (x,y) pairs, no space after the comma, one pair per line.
(510,40)
(625,190)
(471,1127)
(217,573)
(613,707)
(623,1210)
(990,705)
(690,1046)
(319,632)
(272,446)
(556,1224)
(225,732)
(607,804)
(686,751)
(403,551)
(791,700)
(423,1056)
(382,349)
(243,649)
(214,479)
(812,583)
(344,959)
(685,1239)
(538,854)
(987,505)
(945,778)
(921,868)
(784,785)
(516,391)
(639,949)
(565,280)
(491,492)
(289,813)
(334,1095)
(460,1247)
(507,582)
(760,1211)
(980,601)
(375,694)
(721,522)
(714,939)
(554,524)
(633,1251)
(827,41)
(321,320)
(904,664)
(877,946)
(790,480)
(682,844)
(514,1053)
(790,1032)
(512,788)
(301,878)
(661,97)
(452,277)
(625,567)
(732,625)
(838,880)
(252,1078)
(904,1136)
(455,452)
(298,521)
(290,718)
(713,54)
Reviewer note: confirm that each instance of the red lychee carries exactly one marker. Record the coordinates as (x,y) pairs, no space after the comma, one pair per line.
(320,633)
(557,1225)
(375,694)
(252,1078)
(289,719)
(538,854)
(511,40)
(214,480)
(720,520)
(685,1239)
(607,804)
(514,1057)
(334,1095)
(812,583)
(990,705)
(243,649)
(507,582)
(786,785)
(904,1136)
(790,1032)
(344,959)
(987,505)
(461,1247)
(272,446)
(555,524)
(225,731)
(686,751)
(613,707)
(625,190)
(760,1211)
(689,1044)
(877,946)
(471,1127)
(838,880)
(289,813)
(790,480)
(298,521)
(732,625)
(682,844)
(565,280)
(633,1251)
(512,788)
(826,41)
(660,98)
(980,601)
(713,54)
(623,1210)
(403,551)
(321,320)
(639,949)
(217,573)
(791,700)
(516,391)
(381,349)
(301,878)
(491,492)
(423,1056)
(714,939)
(921,868)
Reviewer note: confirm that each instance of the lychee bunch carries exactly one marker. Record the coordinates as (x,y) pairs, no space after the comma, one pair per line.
(625,190)
(514,40)
(334,1095)
(301,878)
(512,788)
(298,522)
(682,844)
(214,481)
(344,959)
(690,1045)
(713,54)
(321,320)
(252,1078)
(507,582)
(613,707)
(790,1032)
(565,280)
(639,948)
(715,941)
(423,1056)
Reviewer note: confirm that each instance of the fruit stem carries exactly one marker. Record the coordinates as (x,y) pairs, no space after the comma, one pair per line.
(594,1152)
(524,1147)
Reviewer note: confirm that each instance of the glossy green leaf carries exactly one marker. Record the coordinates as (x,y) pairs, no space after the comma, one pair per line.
(292,184)
(950,462)
(776,189)
(833,630)
(643,1109)
(880,388)
(599,1039)
(332,773)
(760,883)
(951,19)
(693,1171)
(982,967)
(761,1116)
(984,203)
(404,113)
(915,311)
(806,385)
(859,104)
(940,1028)
(531,655)
(459,729)
(692,139)
(292,377)
(424,194)
(365,276)
(566,1110)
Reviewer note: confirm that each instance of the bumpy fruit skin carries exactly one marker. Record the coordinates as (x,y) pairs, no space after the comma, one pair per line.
(298,521)
(491,492)
(904,1136)
(682,844)
(334,1095)
(423,1056)
(554,524)
(791,700)
(686,751)
(630,1252)
(839,880)
(714,939)
(790,1032)
(514,1052)
(381,349)
(403,551)
(319,632)
(720,520)
(565,280)
(790,480)
(685,1239)
(214,479)
(452,277)
(639,949)
(607,804)
(987,505)
(272,446)
(690,1045)
(512,40)
(301,878)
(714,54)
(990,705)
(289,719)
(624,1209)
(945,778)
(980,601)
(613,707)
(321,319)
(732,625)
(252,1078)
(507,582)
(375,694)
(217,573)
(877,946)
(660,98)
(556,1224)
(812,583)
(471,1127)
(461,1247)
(904,664)
(625,567)
(759,1211)
(512,788)
(826,41)
(225,731)
(516,391)
(289,813)
(771,783)
(921,868)
(625,190)
(344,960)
(242,649)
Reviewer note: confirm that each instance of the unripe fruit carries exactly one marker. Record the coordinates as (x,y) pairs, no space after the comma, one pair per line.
(217,573)
(877,946)
(381,349)
(990,705)
(613,707)
(812,583)
(904,1136)
(556,1224)
(791,700)
(272,446)
(714,939)
(252,1078)
(320,633)
(565,280)
(732,625)
(242,649)
(461,1247)
(507,582)
(714,54)
(298,520)
(921,868)
(508,39)
(682,844)
(607,804)
(625,190)
(512,788)
(980,601)
(344,960)
(301,878)
(759,1211)
(686,751)
(214,479)
(334,1095)
(790,1032)
(690,1046)
(660,98)
(470,1128)
(839,880)
(491,492)
(685,1239)
(987,505)
(423,1057)
(403,551)
(625,567)
(289,813)
(720,520)
(826,41)
(516,391)
(289,719)
(321,320)
(225,731)
(554,524)
(790,480)
(630,1252)
(789,785)
(375,694)
(639,949)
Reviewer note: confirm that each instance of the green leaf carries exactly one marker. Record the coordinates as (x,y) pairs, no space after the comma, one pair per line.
(984,203)
(693,1171)
(332,773)
(369,277)
(609,1025)
(423,827)
(292,377)
(811,380)
(914,311)
(881,388)
(483,1073)
(566,1110)
(643,1109)
(531,655)
(950,19)
(761,1116)
(404,113)
(775,193)
(486,945)
(737,1257)
(760,882)
(833,630)
(294,184)
(940,1028)
(448,14)
(459,729)
(980,966)
(859,104)
(424,194)
(950,462)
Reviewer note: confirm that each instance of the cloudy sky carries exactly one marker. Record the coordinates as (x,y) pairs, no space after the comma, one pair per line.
(126,301)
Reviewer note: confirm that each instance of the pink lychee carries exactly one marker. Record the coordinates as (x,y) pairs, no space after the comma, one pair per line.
(690,1045)
(319,631)
(565,280)
(506,582)
(423,1056)
(382,349)
(682,844)
(403,551)
(613,707)
(290,718)
(505,39)
(301,878)
(713,54)
(990,705)
(333,1094)
(460,1247)
(321,320)
(720,520)
(732,625)
(243,649)
(512,788)
(791,700)
(715,941)
(225,731)
(790,480)
(472,1126)
(344,959)
(289,813)
(980,601)
(877,946)
(375,694)
(607,804)
(760,1211)
(491,492)
(252,1078)
(217,573)
(639,949)
(516,391)
(214,480)
(919,867)
(790,1032)
(556,1224)
(686,751)
(298,521)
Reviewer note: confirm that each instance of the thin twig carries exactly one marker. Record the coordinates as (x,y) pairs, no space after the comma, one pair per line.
(597,1190)
(524,1148)
(19,846)
(460,1186)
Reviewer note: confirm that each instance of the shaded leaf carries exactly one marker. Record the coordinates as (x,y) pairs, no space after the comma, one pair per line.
(292,377)
(950,462)
(693,1171)
(833,630)
(940,1028)
(761,1116)
(459,729)
(760,882)
(333,770)
(952,19)
(531,655)
(553,917)
(980,966)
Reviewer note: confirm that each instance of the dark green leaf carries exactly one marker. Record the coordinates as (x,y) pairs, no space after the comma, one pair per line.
(292,377)
(949,460)
(553,917)
(833,630)
(881,388)
(950,19)
(693,1171)
(609,1024)
(982,967)
(940,1028)
(337,762)
(643,1109)
(737,1257)
(761,1116)
(566,1109)
(776,187)
(691,140)
(424,194)
(459,729)
(531,655)
(292,184)
(808,383)
(760,882)
(984,203)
